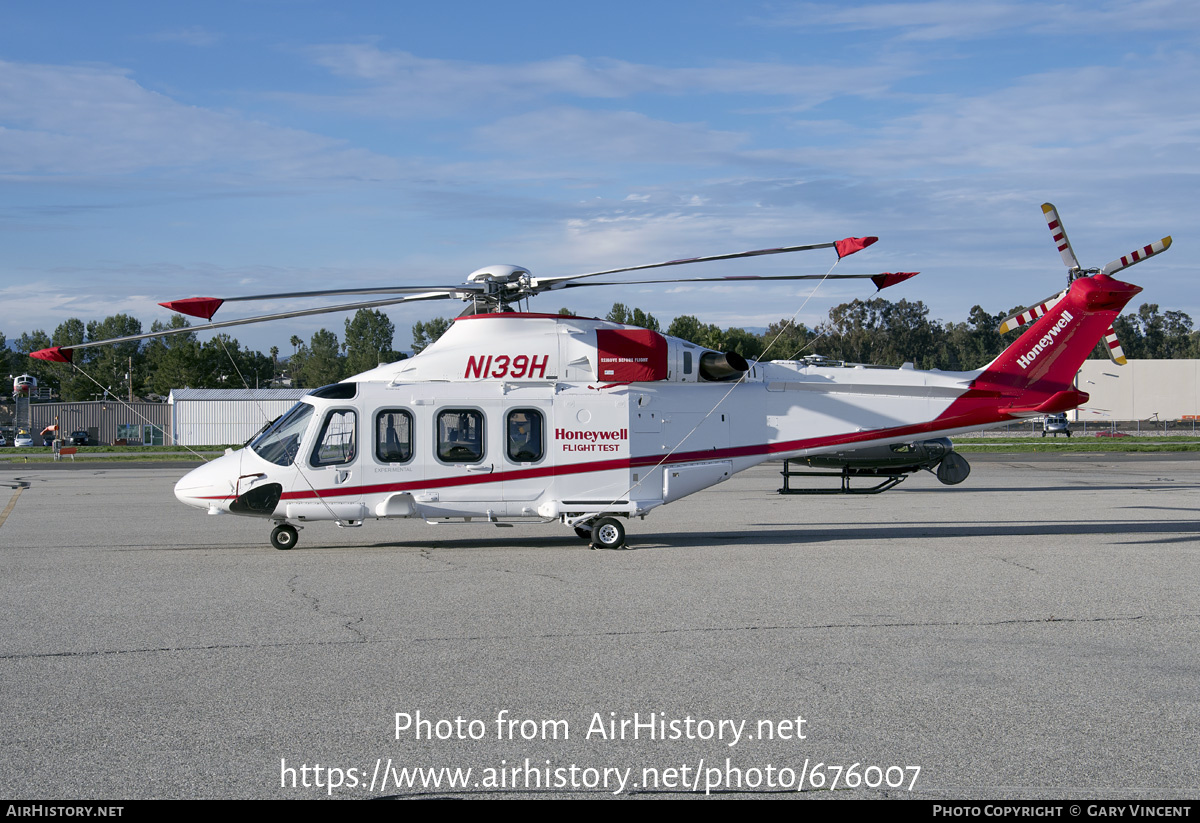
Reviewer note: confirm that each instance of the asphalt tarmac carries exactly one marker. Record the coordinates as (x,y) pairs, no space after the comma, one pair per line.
(1032,633)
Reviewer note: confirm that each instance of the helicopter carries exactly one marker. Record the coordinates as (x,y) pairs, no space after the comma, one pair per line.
(520,417)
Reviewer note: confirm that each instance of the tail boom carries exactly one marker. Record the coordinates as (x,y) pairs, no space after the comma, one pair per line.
(1035,375)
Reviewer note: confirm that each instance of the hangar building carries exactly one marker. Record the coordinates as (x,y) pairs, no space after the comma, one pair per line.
(1161,390)
(210,417)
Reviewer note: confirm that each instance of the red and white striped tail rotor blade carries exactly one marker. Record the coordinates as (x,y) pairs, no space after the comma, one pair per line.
(1115,352)
(1024,318)
(1060,236)
(1137,256)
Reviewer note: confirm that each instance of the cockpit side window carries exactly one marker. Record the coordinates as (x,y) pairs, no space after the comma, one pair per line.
(393,436)
(460,436)
(526,436)
(280,443)
(337,443)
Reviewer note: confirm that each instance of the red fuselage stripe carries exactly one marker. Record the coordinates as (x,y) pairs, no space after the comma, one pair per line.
(959,415)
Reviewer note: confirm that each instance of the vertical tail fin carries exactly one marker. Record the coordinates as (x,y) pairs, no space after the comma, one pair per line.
(1035,374)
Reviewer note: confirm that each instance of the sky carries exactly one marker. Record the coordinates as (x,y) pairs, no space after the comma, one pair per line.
(155,151)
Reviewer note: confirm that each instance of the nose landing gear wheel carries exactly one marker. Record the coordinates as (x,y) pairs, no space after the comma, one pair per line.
(608,533)
(284,537)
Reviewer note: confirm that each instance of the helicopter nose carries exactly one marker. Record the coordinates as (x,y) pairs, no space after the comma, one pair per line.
(206,487)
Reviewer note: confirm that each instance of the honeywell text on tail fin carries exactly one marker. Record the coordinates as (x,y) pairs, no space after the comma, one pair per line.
(1036,373)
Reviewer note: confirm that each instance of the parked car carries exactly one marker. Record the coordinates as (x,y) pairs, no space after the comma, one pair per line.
(78,438)
(1056,424)
(3,440)
(23,439)
(1111,434)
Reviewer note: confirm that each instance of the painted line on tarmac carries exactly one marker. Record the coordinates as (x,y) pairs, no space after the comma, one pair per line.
(20,486)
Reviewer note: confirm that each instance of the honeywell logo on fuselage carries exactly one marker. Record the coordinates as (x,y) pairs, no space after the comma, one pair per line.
(591,436)
(1026,360)
(591,440)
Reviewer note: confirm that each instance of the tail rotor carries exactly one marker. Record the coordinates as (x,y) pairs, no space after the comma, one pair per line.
(1074,272)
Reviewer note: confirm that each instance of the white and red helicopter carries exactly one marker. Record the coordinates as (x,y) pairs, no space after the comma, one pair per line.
(522,417)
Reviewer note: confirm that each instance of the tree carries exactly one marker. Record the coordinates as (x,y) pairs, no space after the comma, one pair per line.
(424,334)
(745,343)
(635,317)
(368,341)
(110,365)
(708,335)
(786,340)
(1151,335)
(175,361)
(880,332)
(318,364)
(73,385)
(686,327)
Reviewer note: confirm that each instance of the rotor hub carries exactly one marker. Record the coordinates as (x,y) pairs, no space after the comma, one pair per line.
(499,274)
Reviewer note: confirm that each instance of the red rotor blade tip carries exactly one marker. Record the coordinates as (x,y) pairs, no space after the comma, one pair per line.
(850,245)
(55,354)
(204,307)
(882,281)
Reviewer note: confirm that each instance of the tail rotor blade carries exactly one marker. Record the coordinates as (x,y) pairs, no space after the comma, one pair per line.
(1137,256)
(1115,352)
(1024,318)
(1060,236)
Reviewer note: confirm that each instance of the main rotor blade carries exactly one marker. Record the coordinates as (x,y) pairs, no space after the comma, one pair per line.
(1137,256)
(63,354)
(882,280)
(206,307)
(1060,236)
(845,248)
(1027,316)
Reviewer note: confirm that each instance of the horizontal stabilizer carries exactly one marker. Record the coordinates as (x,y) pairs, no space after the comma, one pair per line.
(1058,402)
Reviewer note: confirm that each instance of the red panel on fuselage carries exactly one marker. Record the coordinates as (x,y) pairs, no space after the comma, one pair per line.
(631,355)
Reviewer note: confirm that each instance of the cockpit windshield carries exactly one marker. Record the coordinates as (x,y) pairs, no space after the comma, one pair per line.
(281,442)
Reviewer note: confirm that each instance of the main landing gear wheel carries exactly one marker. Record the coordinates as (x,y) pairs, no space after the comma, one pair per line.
(608,533)
(284,537)
(583,532)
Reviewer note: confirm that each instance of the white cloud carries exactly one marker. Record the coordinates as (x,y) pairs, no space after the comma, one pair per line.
(592,137)
(1081,124)
(945,20)
(99,121)
(402,85)
(188,35)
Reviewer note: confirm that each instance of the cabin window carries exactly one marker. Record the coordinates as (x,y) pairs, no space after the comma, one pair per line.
(393,436)
(336,444)
(280,443)
(526,435)
(687,362)
(460,436)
